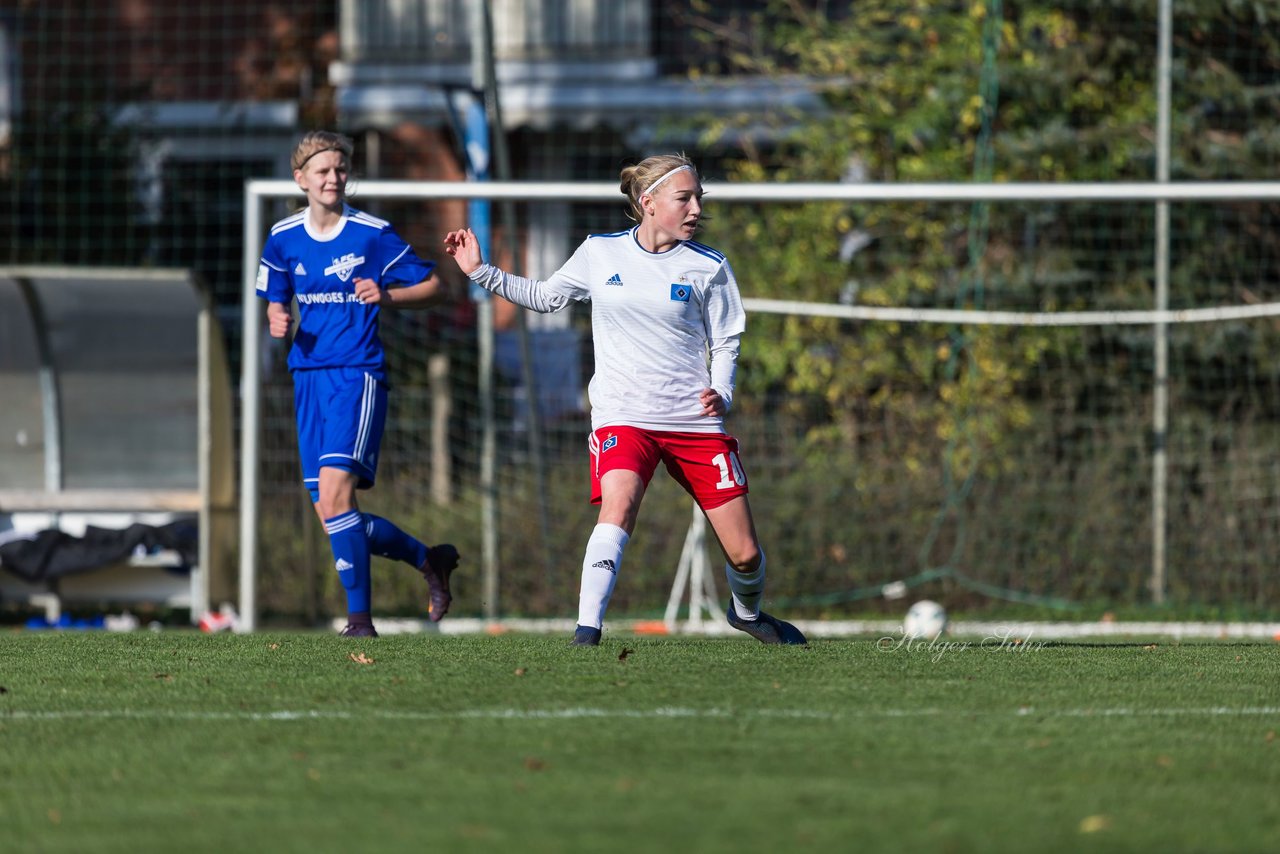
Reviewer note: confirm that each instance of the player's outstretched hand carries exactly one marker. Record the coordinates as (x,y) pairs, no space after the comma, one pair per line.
(465,249)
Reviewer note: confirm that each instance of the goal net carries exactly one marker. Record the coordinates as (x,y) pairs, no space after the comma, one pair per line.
(1061,396)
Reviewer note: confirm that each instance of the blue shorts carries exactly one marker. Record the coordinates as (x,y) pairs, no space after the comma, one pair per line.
(341,413)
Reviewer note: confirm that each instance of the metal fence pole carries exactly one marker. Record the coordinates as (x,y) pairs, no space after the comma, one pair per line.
(1160,394)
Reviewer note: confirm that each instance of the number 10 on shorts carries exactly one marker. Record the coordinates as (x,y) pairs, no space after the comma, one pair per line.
(731,473)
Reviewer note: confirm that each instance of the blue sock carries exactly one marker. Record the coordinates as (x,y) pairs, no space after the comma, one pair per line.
(386,540)
(351,557)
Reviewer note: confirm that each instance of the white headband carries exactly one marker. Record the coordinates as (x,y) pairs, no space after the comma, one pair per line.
(667,175)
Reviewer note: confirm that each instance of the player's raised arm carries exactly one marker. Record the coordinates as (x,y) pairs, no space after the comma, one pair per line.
(532,294)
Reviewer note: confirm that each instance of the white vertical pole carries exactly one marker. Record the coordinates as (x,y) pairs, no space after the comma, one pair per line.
(697,570)
(710,597)
(694,572)
(250,413)
(480,48)
(204,455)
(682,580)
(1160,396)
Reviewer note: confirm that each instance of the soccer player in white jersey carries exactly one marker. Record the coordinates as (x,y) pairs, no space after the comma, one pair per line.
(666,320)
(343,267)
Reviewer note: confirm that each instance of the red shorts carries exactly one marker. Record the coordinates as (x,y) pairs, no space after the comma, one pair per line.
(705,464)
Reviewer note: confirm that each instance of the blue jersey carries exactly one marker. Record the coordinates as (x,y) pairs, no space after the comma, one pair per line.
(335,330)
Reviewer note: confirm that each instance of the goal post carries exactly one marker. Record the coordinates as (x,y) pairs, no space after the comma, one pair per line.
(258,193)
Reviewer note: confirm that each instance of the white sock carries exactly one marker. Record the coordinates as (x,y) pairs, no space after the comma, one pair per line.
(747,589)
(600,567)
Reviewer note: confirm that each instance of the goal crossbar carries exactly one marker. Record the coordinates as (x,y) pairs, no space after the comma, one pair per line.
(1173,191)
(1014,318)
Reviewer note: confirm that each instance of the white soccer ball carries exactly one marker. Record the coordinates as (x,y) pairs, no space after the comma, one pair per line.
(925,619)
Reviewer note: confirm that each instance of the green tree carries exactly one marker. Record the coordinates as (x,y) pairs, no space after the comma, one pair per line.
(919,91)
(1070,89)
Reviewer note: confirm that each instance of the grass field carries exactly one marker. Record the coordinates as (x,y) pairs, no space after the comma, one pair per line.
(177,741)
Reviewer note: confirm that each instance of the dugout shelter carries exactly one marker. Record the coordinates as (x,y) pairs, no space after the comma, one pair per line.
(116,471)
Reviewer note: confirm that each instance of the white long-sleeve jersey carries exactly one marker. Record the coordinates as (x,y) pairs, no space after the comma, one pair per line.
(665,325)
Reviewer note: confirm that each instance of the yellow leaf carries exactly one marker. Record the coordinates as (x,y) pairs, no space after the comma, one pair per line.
(1095,823)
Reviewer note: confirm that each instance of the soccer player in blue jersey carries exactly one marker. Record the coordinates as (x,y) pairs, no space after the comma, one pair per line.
(343,267)
(666,319)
